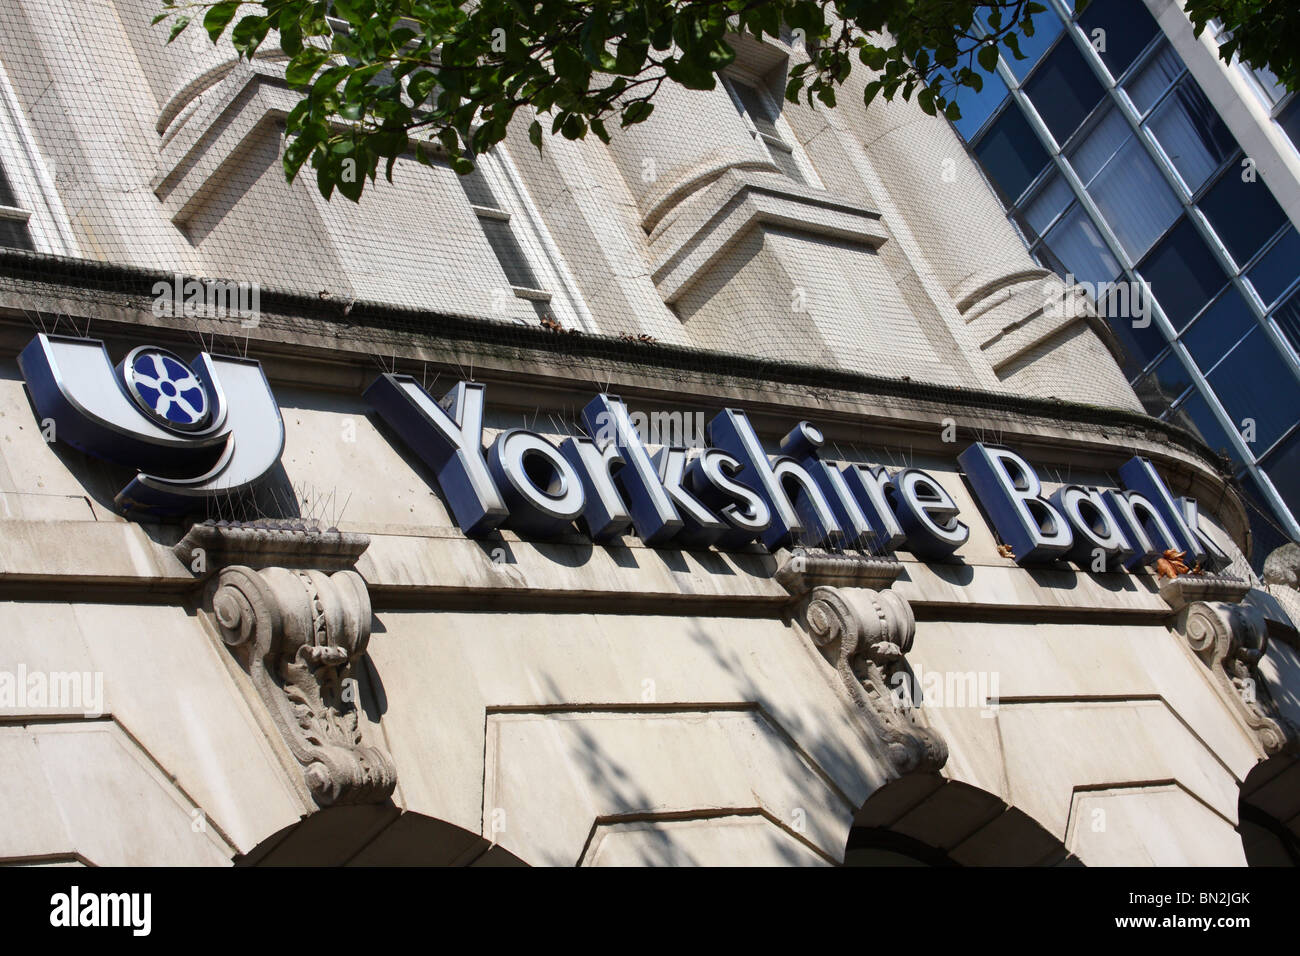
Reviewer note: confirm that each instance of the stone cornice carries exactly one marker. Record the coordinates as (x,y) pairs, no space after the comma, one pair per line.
(801,570)
(318,343)
(289,542)
(29,281)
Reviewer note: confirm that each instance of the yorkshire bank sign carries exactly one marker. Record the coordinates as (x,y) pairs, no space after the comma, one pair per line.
(212,427)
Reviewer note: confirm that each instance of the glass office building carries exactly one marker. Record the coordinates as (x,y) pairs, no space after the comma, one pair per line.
(1115,167)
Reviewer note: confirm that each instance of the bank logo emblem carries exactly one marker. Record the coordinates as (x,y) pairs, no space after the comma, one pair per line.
(166,388)
(190,430)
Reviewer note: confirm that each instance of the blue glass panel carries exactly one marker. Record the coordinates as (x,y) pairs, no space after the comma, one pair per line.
(1194,414)
(975,107)
(1257,384)
(1278,268)
(1218,329)
(1160,387)
(1182,273)
(1095,149)
(1288,319)
(1041,211)
(1265,523)
(1134,199)
(1078,245)
(1148,83)
(1283,469)
(1242,212)
(1127,29)
(1047,27)
(1063,90)
(1011,154)
(1191,133)
(1140,344)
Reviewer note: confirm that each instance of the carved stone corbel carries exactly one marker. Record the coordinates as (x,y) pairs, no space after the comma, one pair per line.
(1230,637)
(864,633)
(298,632)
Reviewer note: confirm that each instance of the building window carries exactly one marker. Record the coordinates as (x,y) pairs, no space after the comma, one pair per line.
(1118,30)
(1064,91)
(1258,390)
(1289,119)
(763,117)
(13,218)
(1191,134)
(31,214)
(523,248)
(1194,414)
(1218,329)
(1243,213)
(1148,83)
(1125,184)
(1276,271)
(976,105)
(1011,154)
(1182,273)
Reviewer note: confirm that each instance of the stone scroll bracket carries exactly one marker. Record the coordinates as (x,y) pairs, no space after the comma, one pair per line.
(864,629)
(285,599)
(1230,635)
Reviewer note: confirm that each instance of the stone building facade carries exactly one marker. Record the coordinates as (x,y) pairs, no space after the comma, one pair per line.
(281,617)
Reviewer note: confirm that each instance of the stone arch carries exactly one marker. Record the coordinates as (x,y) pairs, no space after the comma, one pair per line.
(925,819)
(375,835)
(1268,812)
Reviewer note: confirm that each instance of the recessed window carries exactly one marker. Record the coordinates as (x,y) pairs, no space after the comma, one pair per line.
(1064,90)
(517,240)
(1118,30)
(1011,154)
(1182,273)
(495,222)
(1242,211)
(31,214)
(763,118)
(13,218)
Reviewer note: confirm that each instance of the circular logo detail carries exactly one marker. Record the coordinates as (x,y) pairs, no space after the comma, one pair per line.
(166,389)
